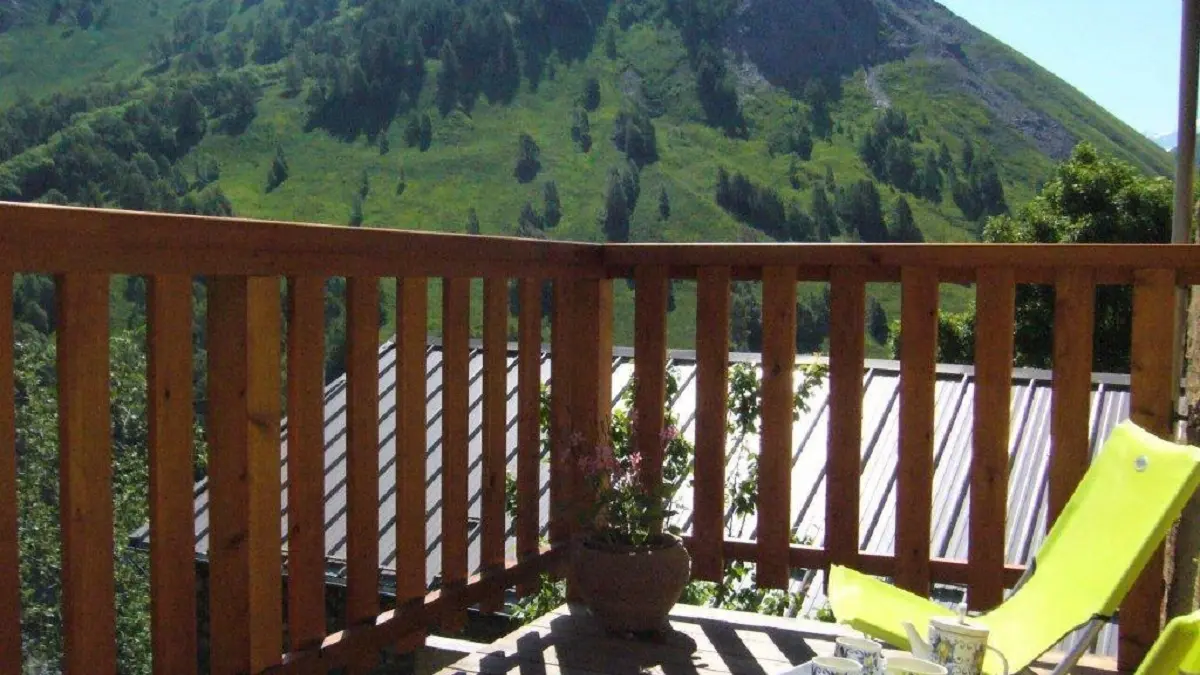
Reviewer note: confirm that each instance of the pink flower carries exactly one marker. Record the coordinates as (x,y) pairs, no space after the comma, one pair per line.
(669,434)
(635,462)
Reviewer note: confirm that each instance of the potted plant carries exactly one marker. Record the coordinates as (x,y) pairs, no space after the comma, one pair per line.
(628,569)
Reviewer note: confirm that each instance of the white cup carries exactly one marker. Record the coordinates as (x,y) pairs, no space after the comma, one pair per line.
(833,665)
(910,665)
(867,653)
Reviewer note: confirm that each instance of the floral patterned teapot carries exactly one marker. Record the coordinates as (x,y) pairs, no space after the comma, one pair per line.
(954,643)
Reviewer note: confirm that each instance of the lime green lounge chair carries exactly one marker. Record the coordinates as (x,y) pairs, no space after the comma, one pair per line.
(1117,517)
(1177,650)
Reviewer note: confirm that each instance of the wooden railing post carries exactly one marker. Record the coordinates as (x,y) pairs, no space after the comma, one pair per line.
(712,386)
(172,524)
(456,307)
(650,368)
(529,450)
(10,571)
(914,470)
(847,349)
(362,456)
(412,317)
(1070,405)
(244,482)
(1151,406)
(85,503)
(995,302)
(774,526)
(495,438)
(306,461)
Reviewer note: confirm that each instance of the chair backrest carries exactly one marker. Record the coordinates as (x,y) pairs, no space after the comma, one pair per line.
(1177,650)
(1117,517)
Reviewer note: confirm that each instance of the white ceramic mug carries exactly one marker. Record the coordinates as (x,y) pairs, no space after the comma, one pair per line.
(833,665)
(867,653)
(960,646)
(911,665)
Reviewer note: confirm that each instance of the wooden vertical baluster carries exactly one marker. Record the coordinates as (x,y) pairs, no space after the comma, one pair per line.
(712,385)
(650,369)
(85,475)
(10,572)
(995,301)
(456,305)
(244,387)
(306,461)
(775,458)
(847,350)
(529,377)
(591,381)
(362,450)
(1151,406)
(495,409)
(1071,396)
(412,315)
(914,476)
(560,392)
(172,524)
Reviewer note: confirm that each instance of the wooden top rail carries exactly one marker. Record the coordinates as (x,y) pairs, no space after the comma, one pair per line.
(956,263)
(51,239)
(127,242)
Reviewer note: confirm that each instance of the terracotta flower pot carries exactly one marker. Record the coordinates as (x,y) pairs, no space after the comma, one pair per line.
(631,588)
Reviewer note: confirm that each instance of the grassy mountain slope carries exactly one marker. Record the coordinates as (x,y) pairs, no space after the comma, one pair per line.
(954,82)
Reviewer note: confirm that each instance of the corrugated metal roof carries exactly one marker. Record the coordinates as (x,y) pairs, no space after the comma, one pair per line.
(1028,455)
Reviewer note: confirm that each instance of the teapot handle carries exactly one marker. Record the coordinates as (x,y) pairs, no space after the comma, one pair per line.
(1003,659)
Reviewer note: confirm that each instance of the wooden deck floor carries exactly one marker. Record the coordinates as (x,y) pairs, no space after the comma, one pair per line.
(703,641)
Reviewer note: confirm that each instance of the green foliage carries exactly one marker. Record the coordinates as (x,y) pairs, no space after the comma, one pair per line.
(581,130)
(664,204)
(901,225)
(472,222)
(614,218)
(762,208)
(590,98)
(38,496)
(859,208)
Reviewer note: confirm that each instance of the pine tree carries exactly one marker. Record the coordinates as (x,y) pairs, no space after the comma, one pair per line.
(529,220)
(591,94)
(279,170)
(664,204)
(903,227)
(553,207)
(426,132)
(823,215)
(356,212)
(447,79)
(384,144)
(610,43)
(293,78)
(364,185)
(528,158)
(472,222)
(877,323)
(614,218)
(401,185)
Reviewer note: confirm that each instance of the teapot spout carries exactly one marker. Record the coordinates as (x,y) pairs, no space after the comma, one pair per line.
(916,645)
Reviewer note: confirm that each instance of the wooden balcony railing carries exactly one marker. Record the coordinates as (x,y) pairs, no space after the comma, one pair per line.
(244,263)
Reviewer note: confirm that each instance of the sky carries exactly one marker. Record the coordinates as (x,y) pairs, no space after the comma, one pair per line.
(1123,54)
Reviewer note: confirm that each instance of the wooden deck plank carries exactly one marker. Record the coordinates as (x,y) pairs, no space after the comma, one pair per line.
(172,525)
(712,385)
(702,641)
(996,297)
(362,451)
(774,525)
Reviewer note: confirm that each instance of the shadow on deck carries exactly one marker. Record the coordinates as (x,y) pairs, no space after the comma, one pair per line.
(568,641)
